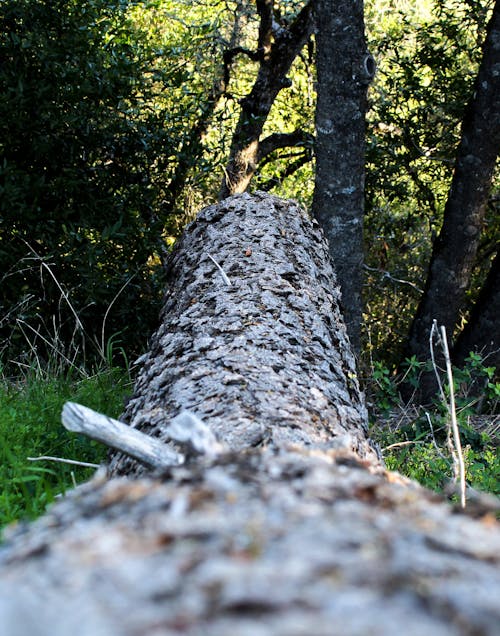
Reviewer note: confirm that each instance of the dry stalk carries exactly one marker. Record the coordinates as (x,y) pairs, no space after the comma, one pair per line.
(400,444)
(453,438)
(62,460)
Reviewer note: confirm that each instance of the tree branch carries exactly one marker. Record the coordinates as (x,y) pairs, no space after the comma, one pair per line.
(148,450)
(278,48)
(228,60)
(265,11)
(297,138)
(290,169)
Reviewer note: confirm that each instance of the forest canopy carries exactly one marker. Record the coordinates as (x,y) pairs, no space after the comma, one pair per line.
(117,121)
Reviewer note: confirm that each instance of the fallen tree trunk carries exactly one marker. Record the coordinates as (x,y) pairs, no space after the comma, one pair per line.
(288,524)
(252,339)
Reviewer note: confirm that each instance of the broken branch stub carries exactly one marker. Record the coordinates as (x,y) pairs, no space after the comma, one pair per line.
(186,429)
(115,434)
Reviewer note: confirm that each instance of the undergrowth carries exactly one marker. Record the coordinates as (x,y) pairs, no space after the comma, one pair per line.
(33,388)
(414,439)
(30,426)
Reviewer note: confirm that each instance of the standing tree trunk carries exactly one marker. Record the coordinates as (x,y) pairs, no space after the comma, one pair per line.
(482,331)
(454,250)
(345,69)
(291,525)
(193,146)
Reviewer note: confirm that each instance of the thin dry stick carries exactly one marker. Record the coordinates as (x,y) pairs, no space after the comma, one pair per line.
(399,444)
(61,460)
(30,344)
(455,446)
(64,295)
(21,323)
(78,323)
(458,457)
(222,272)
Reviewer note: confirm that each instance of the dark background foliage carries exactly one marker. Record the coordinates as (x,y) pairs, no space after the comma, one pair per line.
(116,118)
(427,68)
(82,168)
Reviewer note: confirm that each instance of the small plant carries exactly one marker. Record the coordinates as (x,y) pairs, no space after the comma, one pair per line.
(476,389)
(385,388)
(384,383)
(414,440)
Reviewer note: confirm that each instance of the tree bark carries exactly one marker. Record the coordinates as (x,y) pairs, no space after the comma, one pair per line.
(344,69)
(289,524)
(455,248)
(482,331)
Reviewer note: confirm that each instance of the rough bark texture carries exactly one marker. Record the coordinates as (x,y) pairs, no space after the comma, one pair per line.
(298,537)
(264,360)
(455,249)
(345,69)
(482,331)
(258,544)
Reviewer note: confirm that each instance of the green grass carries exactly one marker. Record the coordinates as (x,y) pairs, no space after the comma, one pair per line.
(30,426)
